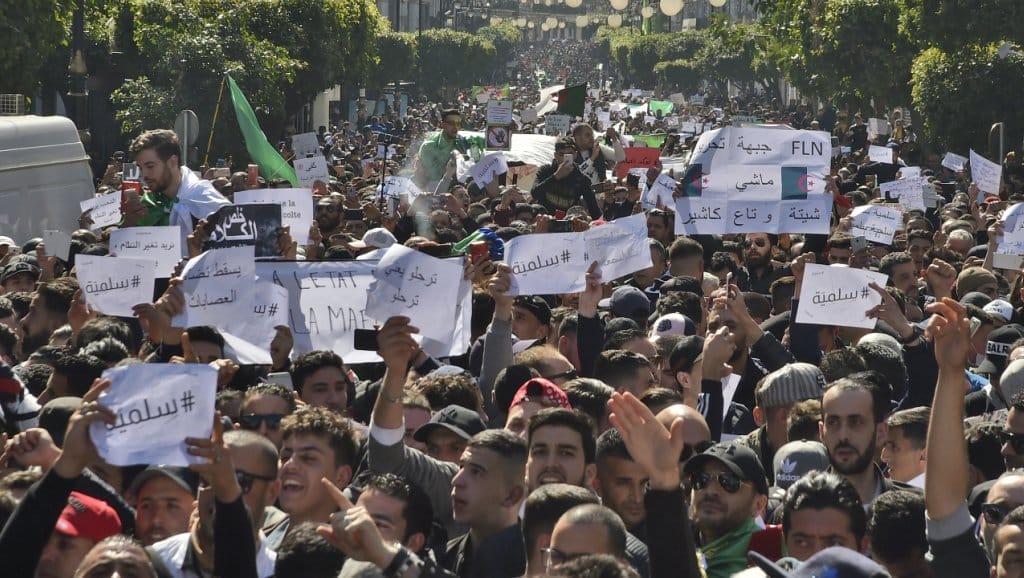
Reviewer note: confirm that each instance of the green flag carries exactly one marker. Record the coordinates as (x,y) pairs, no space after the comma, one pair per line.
(662,106)
(571,99)
(651,140)
(272,165)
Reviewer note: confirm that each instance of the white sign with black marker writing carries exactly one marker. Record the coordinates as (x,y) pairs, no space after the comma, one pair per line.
(986,174)
(954,162)
(162,244)
(879,154)
(105,210)
(488,168)
(218,286)
(876,223)
(248,337)
(306,144)
(620,247)
(113,285)
(157,406)
(412,284)
(550,263)
(908,191)
(835,295)
(296,208)
(312,169)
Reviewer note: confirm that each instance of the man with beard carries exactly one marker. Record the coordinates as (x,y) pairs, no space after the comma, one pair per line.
(176,195)
(853,425)
(328,216)
(47,312)
(594,158)
(757,258)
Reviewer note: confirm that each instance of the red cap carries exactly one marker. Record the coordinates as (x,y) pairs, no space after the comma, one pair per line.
(87,517)
(541,391)
(843,201)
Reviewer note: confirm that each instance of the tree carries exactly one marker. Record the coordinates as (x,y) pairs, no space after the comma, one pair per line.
(950,24)
(680,73)
(397,57)
(453,59)
(31,29)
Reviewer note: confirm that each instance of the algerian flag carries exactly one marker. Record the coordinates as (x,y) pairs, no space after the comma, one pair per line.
(571,99)
(272,165)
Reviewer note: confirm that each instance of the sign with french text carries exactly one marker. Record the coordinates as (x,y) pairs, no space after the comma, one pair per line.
(296,208)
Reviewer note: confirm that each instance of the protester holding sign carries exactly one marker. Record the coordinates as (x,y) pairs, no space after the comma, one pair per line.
(561,185)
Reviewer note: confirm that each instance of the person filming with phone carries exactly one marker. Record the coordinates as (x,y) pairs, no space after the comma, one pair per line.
(560,185)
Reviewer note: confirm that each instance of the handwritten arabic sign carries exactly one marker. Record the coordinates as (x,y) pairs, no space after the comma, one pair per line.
(986,174)
(157,406)
(161,244)
(113,285)
(105,209)
(305,144)
(1010,246)
(240,225)
(876,223)
(637,158)
(660,194)
(954,162)
(838,296)
(311,170)
(557,123)
(547,264)
(909,192)
(620,246)
(248,337)
(879,154)
(396,186)
(217,287)
(410,283)
(296,208)
(487,168)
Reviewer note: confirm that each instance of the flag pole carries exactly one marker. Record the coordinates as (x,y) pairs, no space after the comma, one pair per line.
(213,124)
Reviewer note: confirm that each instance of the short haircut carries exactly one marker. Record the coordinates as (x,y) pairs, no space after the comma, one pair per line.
(913,424)
(163,142)
(96,329)
(840,241)
(984,449)
(326,424)
(79,370)
(539,358)
(20,301)
(686,302)
(6,307)
(35,376)
(617,366)
(108,350)
(802,421)
(589,396)
(267,449)
(545,505)
(757,304)
(569,418)
(309,363)
(56,296)
(444,390)
(620,338)
(782,290)
(656,247)
(611,445)
(820,490)
(890,261)
(450,112)
(512,449)
(887,362)
(8,340)
(271,389)
(594,566)
(721,260)
(601,515)
(417,509)
(919,234)
(896,526)
(880,399)
(660,398)
(304,553)
(685,247)
(841,362)
(206,334)
(1014,518)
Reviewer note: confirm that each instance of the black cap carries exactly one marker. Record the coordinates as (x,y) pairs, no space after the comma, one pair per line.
(17,269)
(738,459)
(465,423)
(683,283)
(185,478)
(535,305)
(997,349)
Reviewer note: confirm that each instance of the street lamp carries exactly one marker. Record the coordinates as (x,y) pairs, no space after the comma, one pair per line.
(78,72)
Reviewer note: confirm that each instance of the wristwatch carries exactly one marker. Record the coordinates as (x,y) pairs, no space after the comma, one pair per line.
(915,334)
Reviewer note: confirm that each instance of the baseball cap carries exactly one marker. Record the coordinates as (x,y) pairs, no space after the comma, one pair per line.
(7,241)
(673,324)
(626,301)
(998,348)
(791,383)
(18,268)
(535,305)
(975,298)
(1012,380)
(184,478)
(973,277)
(88,517)
(541,391)
(463,422)
(834,562)
(682,283)
(1001,308)
(738,459)
(380,238)
(797,458)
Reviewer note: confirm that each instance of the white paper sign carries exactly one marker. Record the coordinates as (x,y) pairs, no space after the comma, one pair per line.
(954,162)
(157,405)
(499,112)
(487,168)
(113,285)
(297,209)
(878,126)
(311,169)
(838,296)
(306,144)
(106,209)
(396,186)
(58,244)
(1010,246)
(879,154)
(412,284)
(660,193)
(528,115)
(986,174)
(557,123)
(876,223)
(908,192)
(161,244)
(549,263)
(248,337)
(605,118)
(620,246)
(218,286)
(909,172)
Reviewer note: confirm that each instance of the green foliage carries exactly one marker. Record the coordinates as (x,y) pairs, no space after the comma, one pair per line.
(636,56)
(504,36)
(961,94)
(950,24)
(30,29)
(396,61)
(682,73)
(453,59)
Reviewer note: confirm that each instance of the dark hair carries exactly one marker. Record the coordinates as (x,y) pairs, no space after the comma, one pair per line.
(722,260)
(660,397)
(782,289)
(887,362)
(896,526)
(545,505)
(589,396)
(890,261)
(96,329)
(164,142)
(802,421)
(565,142)
(915,234)
(512,449)
(984,449)
(444,390)
(757,305)
(618,365)
(417,509)
(108,350)
(619,338)
(261,389)
(841,362)
(206,334)
(601,515)
(8,340)
(309,363)
(658,248)
(324,423)
(79,370)
(35,376)
(881,402)
(483,311)
(20,302)
(56,296)
(569,326)
(610,444)
(304,553)
(820,490)
(686,302)
(840,241)
(6,307)
(913,424)
(684,247)
(569,418)
(593,566)
(450,112)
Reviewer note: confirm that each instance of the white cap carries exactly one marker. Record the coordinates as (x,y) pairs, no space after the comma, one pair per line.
(673,324)
(1000,308)
(7,241)
(380,238)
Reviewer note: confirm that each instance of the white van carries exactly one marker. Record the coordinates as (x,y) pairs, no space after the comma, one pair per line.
(44,173)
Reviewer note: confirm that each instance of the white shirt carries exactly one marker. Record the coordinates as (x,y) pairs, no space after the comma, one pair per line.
(173,551)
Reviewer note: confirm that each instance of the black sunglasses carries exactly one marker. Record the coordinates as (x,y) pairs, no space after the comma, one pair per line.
(246,480)
(758,242)
(567,374)
(1015,440)
(729,481)
(252,421)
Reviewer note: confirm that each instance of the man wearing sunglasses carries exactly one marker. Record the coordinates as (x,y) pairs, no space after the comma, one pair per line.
(263,408)
(728,491)
(757,258)
(436,150)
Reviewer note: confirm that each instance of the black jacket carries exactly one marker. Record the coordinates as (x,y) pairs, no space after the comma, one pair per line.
(561,194)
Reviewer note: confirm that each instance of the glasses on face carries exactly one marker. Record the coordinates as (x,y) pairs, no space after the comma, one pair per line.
(729,481)
(246,480)
(567,374)
(553,558)
(995,513)
(759,242)
(252,421)
(1015,440)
